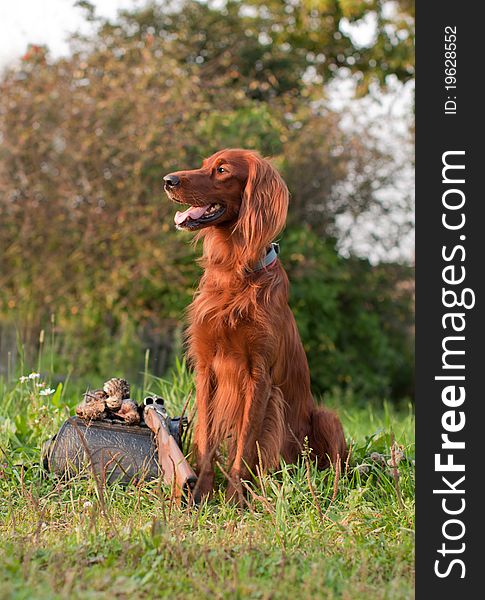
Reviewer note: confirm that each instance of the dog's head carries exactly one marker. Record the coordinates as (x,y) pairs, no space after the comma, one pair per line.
(234,189)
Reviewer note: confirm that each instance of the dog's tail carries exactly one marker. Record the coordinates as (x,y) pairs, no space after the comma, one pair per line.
(327,438)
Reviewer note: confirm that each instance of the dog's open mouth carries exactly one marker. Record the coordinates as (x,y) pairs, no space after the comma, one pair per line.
(197,216)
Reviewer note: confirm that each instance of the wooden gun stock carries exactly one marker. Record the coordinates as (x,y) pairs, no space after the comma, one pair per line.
(173,463)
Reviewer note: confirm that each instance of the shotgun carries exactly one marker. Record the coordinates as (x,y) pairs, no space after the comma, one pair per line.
(175,469)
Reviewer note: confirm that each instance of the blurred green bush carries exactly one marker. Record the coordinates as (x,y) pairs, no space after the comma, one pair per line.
(356,320)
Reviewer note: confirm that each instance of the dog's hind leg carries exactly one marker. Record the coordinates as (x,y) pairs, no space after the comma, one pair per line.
(326,437)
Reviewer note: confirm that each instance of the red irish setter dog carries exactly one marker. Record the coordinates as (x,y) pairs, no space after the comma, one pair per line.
(252,377)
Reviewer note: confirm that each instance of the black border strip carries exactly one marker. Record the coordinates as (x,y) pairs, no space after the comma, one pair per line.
(437,411)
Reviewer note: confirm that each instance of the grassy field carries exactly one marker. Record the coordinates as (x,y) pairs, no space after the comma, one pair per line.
(303,533)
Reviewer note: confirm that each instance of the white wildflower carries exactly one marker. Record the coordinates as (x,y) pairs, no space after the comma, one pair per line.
(46,392)
(23,379)
(34,376)
(87,504)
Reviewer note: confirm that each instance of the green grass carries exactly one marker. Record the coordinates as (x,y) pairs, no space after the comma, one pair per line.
(303,533)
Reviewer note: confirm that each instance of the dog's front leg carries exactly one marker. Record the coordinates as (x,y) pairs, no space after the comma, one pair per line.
(203,439)
(257,392)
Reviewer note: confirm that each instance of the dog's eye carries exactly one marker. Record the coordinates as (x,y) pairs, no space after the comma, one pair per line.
(221,170)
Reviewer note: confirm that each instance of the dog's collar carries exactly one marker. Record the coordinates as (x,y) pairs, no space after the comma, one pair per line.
(270,257)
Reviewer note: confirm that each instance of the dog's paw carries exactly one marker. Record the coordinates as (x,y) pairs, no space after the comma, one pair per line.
(234,491)
(204,487)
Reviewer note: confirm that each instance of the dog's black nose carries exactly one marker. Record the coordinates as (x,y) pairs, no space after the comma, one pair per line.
(171,181)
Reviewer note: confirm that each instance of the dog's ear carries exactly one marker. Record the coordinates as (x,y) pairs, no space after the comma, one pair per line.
(263,210)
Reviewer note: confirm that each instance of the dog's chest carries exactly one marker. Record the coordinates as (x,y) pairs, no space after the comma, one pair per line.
(222,309)
(221,321)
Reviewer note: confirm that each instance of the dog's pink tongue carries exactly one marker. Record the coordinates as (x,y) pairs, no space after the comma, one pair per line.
(194,212)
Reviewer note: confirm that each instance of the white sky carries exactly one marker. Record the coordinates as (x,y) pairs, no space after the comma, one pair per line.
(45,22)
